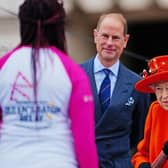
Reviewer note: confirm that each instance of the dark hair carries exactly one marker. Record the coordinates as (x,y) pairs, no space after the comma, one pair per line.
(41,25)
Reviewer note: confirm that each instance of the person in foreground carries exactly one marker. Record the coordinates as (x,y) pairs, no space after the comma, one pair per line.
(120,110)
(47,107)
(152,150)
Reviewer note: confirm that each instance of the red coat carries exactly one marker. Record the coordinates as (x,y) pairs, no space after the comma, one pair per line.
(155,135)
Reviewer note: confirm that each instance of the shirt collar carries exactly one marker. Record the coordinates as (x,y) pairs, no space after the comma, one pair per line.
(99,67)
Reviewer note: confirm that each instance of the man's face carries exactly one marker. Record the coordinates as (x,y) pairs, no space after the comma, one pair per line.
(110,40)
(161,91)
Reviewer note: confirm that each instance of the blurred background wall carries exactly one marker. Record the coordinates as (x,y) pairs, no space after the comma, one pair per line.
(147,20)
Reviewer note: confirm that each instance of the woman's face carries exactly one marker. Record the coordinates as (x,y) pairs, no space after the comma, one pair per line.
(161,91)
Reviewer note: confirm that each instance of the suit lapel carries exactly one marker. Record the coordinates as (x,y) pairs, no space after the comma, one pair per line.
(122,87)
(122,90)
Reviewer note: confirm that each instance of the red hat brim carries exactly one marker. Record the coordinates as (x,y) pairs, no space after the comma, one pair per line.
(144,85)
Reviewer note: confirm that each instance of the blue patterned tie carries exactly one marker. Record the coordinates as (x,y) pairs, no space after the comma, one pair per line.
(104,93)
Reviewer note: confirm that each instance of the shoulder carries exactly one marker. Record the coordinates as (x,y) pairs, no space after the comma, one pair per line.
(154,105)
(87,63)
(154,108)
(128,73)
(5,57)
(129,77)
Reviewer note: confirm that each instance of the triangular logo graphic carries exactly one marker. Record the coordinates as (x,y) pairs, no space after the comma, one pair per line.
(21,88)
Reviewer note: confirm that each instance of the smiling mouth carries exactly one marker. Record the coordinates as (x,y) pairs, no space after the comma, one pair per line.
(108,50)
(165,103)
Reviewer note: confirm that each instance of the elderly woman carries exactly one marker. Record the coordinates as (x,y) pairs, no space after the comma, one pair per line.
(154,143)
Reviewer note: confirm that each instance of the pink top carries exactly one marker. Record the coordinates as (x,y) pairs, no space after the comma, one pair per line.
(70,121)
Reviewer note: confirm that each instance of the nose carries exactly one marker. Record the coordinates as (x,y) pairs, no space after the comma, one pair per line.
(109,40)
(165,93)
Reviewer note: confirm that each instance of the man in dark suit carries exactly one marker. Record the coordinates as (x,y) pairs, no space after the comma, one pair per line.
(120,126)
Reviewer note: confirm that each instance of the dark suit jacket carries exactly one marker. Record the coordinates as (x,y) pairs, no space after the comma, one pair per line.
(121,126)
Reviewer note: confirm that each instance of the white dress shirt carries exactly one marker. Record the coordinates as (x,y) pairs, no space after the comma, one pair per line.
(100,75)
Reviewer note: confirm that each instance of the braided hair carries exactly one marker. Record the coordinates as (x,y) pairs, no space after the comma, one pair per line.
(41,25)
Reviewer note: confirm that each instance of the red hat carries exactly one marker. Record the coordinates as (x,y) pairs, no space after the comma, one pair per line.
(158,72)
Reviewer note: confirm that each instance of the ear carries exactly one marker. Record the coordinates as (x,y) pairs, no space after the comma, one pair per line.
(95,35)
(126,38)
